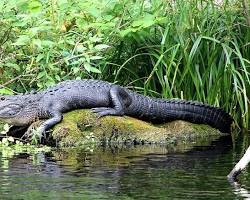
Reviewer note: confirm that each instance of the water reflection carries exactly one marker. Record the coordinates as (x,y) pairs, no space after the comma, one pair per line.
(240,190)
(240,144)
(195,171)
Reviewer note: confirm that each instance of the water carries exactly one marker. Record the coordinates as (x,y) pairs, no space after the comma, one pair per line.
(136,172)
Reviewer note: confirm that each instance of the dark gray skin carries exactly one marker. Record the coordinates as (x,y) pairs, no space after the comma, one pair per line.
(104,99)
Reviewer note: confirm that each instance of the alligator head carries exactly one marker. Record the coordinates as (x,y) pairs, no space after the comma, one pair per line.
(15,110)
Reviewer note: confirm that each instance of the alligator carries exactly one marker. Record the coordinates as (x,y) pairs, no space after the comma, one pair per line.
(104,99)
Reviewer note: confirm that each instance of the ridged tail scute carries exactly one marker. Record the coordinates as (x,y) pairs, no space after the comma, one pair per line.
(199,113)
(160,110)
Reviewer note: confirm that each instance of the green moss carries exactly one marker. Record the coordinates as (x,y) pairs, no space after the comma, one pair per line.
(83,128)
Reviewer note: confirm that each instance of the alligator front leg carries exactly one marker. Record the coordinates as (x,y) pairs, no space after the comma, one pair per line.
(120,99)
(56,117)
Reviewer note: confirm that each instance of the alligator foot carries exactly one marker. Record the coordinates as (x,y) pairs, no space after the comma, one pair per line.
(104,111)
(34,132)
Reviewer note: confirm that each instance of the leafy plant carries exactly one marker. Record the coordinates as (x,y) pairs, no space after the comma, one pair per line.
(193,49)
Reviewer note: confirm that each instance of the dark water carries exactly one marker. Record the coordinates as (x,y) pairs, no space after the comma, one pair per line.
(137,172)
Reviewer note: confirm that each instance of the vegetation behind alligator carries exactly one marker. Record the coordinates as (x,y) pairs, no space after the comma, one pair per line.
(105,99)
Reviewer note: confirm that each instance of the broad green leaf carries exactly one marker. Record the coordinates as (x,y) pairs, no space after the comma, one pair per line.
(1,5)
(87,66)
(21,23)
(95,39)
(76,70)
(96,57)
(94,12)
(6,127)
(39,57)
(40,85)
(62,3)
(101,46)
(34,31)
(35,6)
(41,74)
(75,62)
(11,139)
(6,91)
(57,78)
(47,43)
(95,70)
(80,48)
(22,40)
(108,17)
(70,41)
(87,58)
(37,42)
(23,5)
(127,31)
(12,65)
(147,21)
(50,83)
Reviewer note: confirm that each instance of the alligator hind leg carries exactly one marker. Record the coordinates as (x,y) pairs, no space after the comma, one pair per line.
(120,99)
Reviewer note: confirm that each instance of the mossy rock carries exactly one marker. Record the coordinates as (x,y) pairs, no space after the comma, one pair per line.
(82,127)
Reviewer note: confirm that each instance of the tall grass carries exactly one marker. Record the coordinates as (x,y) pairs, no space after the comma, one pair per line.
(200,53)
(191,49)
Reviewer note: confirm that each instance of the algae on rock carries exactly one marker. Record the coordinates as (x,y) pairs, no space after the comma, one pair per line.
(82,127)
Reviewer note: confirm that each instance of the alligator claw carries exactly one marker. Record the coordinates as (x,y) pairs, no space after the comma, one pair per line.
(99,109)
(40,133)
(35,131)
(104,111)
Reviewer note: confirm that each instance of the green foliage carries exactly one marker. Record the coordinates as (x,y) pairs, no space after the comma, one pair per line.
(47,42)
(6,128)
(10,146)
(186,49)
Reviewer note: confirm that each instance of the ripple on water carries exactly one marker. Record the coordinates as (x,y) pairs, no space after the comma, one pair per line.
(130,173)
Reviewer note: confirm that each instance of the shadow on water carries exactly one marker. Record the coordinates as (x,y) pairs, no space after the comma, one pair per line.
(196,171)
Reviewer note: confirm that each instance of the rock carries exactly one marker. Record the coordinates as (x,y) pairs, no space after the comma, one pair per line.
(82,127)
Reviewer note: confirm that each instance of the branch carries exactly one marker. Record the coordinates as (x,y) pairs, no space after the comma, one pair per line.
(232,176)
(14,79)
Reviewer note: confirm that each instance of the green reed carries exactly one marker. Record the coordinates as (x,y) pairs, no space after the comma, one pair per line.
(191,49)
(200,51)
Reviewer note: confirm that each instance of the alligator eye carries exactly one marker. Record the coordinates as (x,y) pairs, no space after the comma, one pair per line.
(2,98)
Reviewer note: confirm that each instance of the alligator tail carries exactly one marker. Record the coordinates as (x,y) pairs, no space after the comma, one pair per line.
(199,113)
(160,110)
